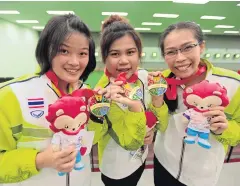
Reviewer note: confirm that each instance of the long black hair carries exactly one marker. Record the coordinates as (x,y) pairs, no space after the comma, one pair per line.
(54,34)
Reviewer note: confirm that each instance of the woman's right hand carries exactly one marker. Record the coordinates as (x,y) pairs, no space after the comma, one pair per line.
(62,161)
(103,91)
(117,94)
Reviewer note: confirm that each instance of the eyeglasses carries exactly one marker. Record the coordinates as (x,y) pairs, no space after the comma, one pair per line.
(184,50)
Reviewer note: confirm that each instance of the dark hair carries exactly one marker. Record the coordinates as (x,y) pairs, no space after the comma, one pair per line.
(198,34)
(114,28)
(54,34)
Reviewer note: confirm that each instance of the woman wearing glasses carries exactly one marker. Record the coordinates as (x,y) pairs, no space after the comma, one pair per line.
(177,163)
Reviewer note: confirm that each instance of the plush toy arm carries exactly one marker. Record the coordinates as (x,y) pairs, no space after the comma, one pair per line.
(83,150)
(186,117)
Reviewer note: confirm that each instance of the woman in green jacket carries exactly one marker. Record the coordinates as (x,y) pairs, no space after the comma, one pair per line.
(123,145)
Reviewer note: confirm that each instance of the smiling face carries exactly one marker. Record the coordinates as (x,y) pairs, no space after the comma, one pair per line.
(123,56)
(184,64)
(72,59)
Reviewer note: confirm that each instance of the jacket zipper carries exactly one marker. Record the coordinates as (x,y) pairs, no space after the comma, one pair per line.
(181,159)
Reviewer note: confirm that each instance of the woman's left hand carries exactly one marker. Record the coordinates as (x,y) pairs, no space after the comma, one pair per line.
(149,137)
(218,121)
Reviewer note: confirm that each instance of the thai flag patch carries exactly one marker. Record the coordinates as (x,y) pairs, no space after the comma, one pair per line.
(35,103)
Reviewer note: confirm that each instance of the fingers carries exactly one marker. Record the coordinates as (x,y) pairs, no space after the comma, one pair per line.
(65,159)
(113,82)
(149,137)
(217,108)
(149,133)
(214,113)
(65,152)
(69,158)
(148,140)
(67,167)
(217,126)
(116,90)
(155,73)
(218,119)
(103,91)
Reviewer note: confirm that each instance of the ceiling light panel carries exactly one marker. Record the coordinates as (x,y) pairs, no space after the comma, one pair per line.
(165,15)
(59,12)
(212,17)
(9,12)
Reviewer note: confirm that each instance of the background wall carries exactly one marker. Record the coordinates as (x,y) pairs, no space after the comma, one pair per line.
(17,49)
(18,43)
(214,44)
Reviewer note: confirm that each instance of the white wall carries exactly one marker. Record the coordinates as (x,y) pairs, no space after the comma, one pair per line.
(17,50)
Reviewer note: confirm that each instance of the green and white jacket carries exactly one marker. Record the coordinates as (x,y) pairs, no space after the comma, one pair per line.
(191,164)
(118,143)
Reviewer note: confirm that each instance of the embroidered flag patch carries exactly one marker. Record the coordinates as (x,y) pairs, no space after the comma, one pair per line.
(34,103)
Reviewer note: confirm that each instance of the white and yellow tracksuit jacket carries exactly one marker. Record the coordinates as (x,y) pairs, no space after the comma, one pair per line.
(191,164)
(24,132)
(117,144)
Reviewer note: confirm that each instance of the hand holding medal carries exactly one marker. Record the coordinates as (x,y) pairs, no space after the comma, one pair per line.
(131,89)
(157,85)
(99,104)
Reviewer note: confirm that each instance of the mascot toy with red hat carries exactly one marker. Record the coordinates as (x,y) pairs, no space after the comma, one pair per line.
(199,98)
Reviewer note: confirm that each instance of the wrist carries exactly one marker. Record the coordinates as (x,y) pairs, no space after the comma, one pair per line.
(216,133)
(135,106)
(157,101)
(40,161)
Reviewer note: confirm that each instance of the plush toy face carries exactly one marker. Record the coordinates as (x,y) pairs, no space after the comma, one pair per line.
(203,103)
(205,95)
(68,114)
(67,123)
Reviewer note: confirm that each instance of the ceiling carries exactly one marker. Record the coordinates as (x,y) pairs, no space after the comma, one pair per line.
(138,12)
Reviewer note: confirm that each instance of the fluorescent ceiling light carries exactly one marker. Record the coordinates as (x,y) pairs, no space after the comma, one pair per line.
(227,55)
(213,17)
(191,1)
(115,13)
(207,55)
(27,21)
(38,27)
(151,23)
(224,26)
(57,12)
(165,15)
(142,28)
(236,56)
(217,55)
(231,32)
(9,12)
(206,31)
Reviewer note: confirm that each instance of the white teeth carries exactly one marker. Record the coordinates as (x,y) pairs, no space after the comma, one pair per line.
(183,68)
(71,71)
